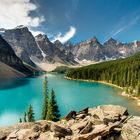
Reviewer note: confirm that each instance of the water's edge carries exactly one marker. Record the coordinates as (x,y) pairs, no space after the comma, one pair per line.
(109,84)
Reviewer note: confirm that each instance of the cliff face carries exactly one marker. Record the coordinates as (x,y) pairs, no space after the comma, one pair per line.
(93,50)
(107,122)
(24,44)
(37,49)
(8,56)
(54,52)
(89,50)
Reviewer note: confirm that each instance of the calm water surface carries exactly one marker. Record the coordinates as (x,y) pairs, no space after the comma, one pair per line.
(17,95)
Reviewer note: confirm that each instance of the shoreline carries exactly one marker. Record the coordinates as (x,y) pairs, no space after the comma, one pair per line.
(102,82)
(131,96)
(123,93)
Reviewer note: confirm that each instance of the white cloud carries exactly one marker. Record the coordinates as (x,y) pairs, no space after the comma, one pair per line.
(67,36)
(17,12)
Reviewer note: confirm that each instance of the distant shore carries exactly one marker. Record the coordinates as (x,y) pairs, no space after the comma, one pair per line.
(102,82)
(123,93)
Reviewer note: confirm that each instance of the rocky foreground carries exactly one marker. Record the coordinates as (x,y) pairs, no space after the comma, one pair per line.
(107,122)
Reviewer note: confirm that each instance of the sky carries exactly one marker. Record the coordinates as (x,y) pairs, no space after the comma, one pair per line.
(74,20)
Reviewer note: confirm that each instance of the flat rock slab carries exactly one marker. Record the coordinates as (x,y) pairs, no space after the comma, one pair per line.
(109,112)
(131,129)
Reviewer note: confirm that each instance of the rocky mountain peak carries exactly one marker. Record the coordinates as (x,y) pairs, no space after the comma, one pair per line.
(19,29)
(68,44)
(94,39)
(93,42)
(111,41)
(57,42)
(23,43)
(136,43)
(42,37)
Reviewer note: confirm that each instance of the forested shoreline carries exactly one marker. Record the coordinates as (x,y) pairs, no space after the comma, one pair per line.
(122,72)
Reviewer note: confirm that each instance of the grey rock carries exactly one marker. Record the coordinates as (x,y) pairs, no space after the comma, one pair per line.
(89,50)
(34,136)
(36,128)
(55,52)
(23,43)
(109,113)
(70,115)
(8,56)
(124,128)
(80,116)
(84,111)
(87,128)
(3,136)
(131,129)
(60,131)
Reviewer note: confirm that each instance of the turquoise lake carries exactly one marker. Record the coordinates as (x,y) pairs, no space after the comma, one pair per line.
(17,95)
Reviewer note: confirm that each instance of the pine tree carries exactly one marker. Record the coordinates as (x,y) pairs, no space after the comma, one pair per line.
(25,115)
(20,120)
(45,99)
(30,114)
(138,88)
(53,111)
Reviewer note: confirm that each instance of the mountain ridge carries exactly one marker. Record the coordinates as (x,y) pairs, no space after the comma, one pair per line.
(39,49)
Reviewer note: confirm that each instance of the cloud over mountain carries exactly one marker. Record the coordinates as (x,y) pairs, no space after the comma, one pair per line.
(67,36)
(18,12)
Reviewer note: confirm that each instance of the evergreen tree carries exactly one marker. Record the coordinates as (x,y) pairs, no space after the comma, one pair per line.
(30,114)
(20,120)
(25,120)
(53,111)
(127,90)
(138,88)
(121,72)
(45,99)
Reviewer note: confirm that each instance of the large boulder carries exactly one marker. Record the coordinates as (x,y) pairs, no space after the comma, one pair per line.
(87,128)
(70,115)
(60,131)
(108,113)
(131,129)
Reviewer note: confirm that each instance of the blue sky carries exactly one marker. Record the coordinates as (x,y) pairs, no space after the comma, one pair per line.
(82,19)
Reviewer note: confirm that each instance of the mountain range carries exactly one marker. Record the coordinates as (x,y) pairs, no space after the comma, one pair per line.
(93,50)
(39,51)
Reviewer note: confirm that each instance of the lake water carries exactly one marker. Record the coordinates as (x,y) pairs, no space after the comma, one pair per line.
(17,95)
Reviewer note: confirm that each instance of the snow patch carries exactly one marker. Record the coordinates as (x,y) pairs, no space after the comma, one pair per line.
(122,52)
(135,43)
(43,54)
(20,27)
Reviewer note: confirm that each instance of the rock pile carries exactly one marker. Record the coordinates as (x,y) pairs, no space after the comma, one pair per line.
(107,122)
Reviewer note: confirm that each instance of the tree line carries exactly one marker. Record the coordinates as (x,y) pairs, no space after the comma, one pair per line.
(50,110)
(122,72)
